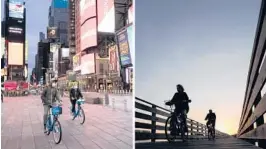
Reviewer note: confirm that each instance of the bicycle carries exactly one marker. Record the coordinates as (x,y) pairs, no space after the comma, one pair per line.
(178,127)
(79,111)
(53,124)
(211,133)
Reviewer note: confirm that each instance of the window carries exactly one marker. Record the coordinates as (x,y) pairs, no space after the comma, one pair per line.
(101,68)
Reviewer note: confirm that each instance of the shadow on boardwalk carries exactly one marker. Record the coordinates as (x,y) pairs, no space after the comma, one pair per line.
(104,128)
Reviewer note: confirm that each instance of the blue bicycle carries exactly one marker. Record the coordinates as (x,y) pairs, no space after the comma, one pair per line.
(53,124)
(79,111)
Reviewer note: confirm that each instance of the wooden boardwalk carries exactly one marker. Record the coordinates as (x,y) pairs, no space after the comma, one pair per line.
(22,127)
(225,143)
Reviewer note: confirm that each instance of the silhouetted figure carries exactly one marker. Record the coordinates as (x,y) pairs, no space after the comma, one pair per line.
(211,119)
(180,100)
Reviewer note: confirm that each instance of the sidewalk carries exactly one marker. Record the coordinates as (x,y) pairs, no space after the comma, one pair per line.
(104,128)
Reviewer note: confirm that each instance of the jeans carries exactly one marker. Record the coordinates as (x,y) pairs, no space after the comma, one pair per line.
(174,117)
(73,102)
(46,109)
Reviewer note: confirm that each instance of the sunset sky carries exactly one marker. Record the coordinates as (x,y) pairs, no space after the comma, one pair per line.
(204,45)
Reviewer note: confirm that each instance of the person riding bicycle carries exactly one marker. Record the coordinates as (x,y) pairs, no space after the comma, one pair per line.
(180,100)
(50,96)
(211,119)
(74,94)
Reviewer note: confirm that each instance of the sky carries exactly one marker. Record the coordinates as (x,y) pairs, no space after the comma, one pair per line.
(36,21)
(205,46)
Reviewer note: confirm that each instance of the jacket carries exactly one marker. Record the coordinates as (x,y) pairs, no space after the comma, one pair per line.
(177,100)
(50,96)
(75,94)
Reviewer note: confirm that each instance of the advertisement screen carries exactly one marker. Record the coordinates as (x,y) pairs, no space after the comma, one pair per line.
(26,52)
(51,32)
(55,60)
(15,53)
(87,9)
(124,52)
(87,64)
(76,62)
(65,52)
(113,60)
(16,9)
(130,14)
(88,34)
(60,3)
(15,34)
(3,47)
(54,47)
(106,16)
(131,43)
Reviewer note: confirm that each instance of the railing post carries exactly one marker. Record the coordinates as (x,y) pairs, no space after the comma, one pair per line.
(197,130)
(153,124)
(191,128)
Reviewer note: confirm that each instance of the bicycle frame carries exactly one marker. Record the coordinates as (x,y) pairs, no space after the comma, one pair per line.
(51,120)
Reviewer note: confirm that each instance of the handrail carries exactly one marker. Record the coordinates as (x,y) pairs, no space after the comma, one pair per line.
(150,123)
(252,124)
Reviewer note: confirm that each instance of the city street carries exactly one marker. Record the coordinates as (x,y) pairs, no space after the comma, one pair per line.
(105,128)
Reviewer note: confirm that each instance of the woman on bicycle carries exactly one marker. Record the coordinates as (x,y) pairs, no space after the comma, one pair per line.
(49,96)
(180,100)
(75,94)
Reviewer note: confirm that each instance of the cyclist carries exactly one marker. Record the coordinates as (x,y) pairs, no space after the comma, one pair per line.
(180,100)
(211,119)
(49,96)
(75,94)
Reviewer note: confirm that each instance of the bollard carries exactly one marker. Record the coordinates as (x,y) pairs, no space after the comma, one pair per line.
(113,103)
(125,104)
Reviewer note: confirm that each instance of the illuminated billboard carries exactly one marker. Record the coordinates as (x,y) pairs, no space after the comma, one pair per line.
(88,34)
(60,3)
(106,16)
(124,51)
(26,51)
(51,32)
(76,62)
(3,47)
(16,9)
(15,53)
(87,64)
(130,14)
(87,9)
(65,52)
(54,47)
(130,37)
(113,59)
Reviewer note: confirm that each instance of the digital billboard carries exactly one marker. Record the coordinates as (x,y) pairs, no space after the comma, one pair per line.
(87,9)
(26,51)
(113,59)
(15,53)
(88,34)
(54,47)
(124,52)
(55,60)
(52,32)
(87,64)
(60,3)
(16,9)
(76,62)
(65,52)
(130,14)
(130,37)
(106,16)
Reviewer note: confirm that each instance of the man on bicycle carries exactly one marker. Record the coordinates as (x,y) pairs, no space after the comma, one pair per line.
(180,100)
(211,119)
(74,94)
(49,97)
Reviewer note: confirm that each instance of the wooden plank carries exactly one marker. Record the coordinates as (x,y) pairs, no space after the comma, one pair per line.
(143,107)
(258,133)
(143,125)
(143,116)
(259,111)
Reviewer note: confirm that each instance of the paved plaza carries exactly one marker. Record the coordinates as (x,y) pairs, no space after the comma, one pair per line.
(105,128)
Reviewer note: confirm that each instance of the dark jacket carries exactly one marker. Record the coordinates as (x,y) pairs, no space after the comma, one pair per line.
(50,95)
(75,94)
(177,101)
(211,117)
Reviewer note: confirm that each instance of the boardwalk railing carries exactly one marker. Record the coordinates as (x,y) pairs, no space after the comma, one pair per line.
(252,125)
(150,123)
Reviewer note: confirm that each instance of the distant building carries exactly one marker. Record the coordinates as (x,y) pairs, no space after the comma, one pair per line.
(41,36)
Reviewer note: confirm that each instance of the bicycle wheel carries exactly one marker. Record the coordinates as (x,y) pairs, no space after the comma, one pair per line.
(57,132)
(170,137)
(182,131)
(81,116)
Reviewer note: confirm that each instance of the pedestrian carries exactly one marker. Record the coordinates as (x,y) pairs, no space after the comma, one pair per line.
(50,96)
